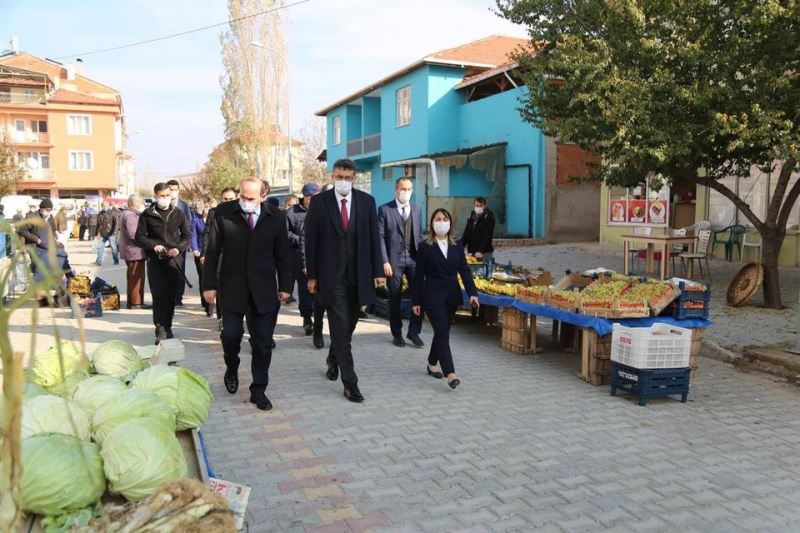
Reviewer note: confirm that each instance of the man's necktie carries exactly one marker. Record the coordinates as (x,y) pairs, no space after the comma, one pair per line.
(403,213)
(345,215)
(251,220)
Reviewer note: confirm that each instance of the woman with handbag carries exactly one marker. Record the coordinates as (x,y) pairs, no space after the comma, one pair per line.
(436,291)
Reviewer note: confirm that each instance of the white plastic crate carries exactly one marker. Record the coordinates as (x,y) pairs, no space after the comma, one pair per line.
(659,346)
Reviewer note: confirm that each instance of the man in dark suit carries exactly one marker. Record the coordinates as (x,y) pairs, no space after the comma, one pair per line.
(343,264)
(174,190)
(479,231)
(247,246)
(295,218)
(399,227)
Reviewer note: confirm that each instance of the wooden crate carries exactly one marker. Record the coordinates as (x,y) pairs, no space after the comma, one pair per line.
(595,357)
(697,344)
(519,332)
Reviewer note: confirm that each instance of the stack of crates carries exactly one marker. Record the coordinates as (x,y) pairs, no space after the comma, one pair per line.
(691,303)
(651,362)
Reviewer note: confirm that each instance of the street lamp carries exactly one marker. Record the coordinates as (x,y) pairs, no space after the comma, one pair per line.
(258,44)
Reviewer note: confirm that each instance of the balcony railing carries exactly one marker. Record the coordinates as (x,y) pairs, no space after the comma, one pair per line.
(39,174)
(31,138)
(364,145)
(19,98)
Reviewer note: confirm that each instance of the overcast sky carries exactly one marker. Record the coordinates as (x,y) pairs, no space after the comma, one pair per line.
(171,90)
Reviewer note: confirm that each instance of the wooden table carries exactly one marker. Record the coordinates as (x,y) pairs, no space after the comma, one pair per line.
(656,243)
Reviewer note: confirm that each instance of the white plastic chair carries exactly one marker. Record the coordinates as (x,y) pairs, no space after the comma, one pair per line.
(754,243)
(700,253)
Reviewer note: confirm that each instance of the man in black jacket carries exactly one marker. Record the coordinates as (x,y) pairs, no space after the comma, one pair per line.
(295,219)
(107,228)
(163,232)
(479,231)
(343,262)
(228,195)
(247,246)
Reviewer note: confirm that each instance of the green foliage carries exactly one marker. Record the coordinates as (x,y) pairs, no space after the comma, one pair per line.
(226,167)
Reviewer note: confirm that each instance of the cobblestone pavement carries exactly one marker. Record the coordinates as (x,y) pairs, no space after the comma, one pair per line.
(522,445)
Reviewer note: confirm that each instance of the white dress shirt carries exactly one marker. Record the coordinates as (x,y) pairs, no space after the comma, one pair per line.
(443,244)
(349,199)
(400,207)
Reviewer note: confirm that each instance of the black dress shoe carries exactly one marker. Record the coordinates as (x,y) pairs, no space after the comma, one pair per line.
(261,401)
(319,343)
(436,374)
(415,340)
(363,315)
(455,383)
(272,344)
(308,325)
(353,394)
(231,380)
(140,306)
(333,370)
(169,333)
(398,341)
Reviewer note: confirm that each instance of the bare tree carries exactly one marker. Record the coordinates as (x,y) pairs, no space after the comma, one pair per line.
(255,83)
(312,134)
(10,172)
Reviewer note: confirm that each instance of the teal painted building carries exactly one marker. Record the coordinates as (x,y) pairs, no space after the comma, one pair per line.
(451,121)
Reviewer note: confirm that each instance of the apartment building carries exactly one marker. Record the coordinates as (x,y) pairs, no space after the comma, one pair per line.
(68,130)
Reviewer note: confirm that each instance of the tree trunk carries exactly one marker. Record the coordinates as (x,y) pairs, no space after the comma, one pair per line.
(771,243)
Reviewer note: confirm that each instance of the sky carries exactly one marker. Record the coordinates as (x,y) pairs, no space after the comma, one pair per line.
(170,89)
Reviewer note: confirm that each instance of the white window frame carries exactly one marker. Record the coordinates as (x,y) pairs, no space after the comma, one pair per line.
(71,130)
(644,197)
(403,104)
(337,130)
(75,167)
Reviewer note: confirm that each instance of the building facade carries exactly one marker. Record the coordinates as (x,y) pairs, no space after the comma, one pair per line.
(451,122)
(69,130)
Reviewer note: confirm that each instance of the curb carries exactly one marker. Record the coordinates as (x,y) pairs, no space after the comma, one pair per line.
(714,351)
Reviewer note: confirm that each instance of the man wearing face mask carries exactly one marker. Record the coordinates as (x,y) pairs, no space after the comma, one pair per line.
(343,262)
(163,233)
(247,256)
(479,231)
(132,253)
(174,192)
(295,218)
(399,227)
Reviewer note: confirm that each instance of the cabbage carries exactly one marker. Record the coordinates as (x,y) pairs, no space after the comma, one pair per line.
(96,391)
(131,404)
(184,391)
(32,390)
(59,474)
(46,367)
(51,414)
(139,456)
(116,358)
(66,388)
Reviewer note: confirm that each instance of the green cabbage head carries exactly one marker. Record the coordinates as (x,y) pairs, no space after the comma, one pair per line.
(60,474)
(184,391)
(139,456)
(51,414)
(46,369)
(132,403)
(116,358)
(96,391)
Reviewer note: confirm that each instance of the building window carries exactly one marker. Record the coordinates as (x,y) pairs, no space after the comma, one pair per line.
(79,124)
(337,130)
(404,106)
(80,160)
(647,204)
(39,126)
(33,160)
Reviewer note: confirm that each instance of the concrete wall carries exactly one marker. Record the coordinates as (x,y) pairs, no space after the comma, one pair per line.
(336,151)
(409,141)
(353,130)
(444,108)
(572,207)
(371,115)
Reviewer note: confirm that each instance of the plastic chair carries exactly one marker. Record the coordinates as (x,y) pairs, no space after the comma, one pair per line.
(735,233)
(698,226)
(700,254)
(636,253)
(756,243)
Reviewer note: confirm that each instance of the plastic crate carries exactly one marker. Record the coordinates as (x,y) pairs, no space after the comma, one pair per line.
(678,308)
(659,346)
(650,383)
(382,307)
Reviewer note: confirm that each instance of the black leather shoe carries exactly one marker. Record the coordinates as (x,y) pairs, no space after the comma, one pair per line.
(333,370)
(353,394)
(140,306)
(161,334)
(308,325)
(455,383)
(261,401)
(398,341)
(272,344)
(231,380)
(319,343)
(436,374)
(415,340)
(169,333)
(363,315)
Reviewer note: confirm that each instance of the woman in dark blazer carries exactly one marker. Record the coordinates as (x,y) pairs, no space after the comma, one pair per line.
(436,291)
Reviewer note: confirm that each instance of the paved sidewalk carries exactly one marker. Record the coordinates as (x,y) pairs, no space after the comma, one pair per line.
(522,445)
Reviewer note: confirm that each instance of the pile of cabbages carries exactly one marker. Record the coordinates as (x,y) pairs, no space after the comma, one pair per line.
(104,422)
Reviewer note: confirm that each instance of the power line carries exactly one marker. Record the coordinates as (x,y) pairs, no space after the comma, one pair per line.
(187,32)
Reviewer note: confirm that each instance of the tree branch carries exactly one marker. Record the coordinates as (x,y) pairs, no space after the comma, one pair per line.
(740,204)
(791,197)
(780,189)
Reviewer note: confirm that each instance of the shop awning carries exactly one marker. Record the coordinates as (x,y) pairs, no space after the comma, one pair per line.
(488,158)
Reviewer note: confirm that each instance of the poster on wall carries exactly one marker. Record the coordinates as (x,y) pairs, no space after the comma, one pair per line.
(657,211)
(619,211)
(637,211)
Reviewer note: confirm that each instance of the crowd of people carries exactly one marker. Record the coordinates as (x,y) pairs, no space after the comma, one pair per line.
(334,243)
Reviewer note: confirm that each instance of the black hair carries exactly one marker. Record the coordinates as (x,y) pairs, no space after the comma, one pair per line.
(228,189)
(432,234)
(160,186)
(345,164)
(480,200)
(170,183)
(403,178)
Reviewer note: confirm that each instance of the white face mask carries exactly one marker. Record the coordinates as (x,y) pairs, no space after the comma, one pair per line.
(441,227)
(140,209)
(164,203)
(173,195)
(343,187)
(479,211)
(247,207)
(404,196)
